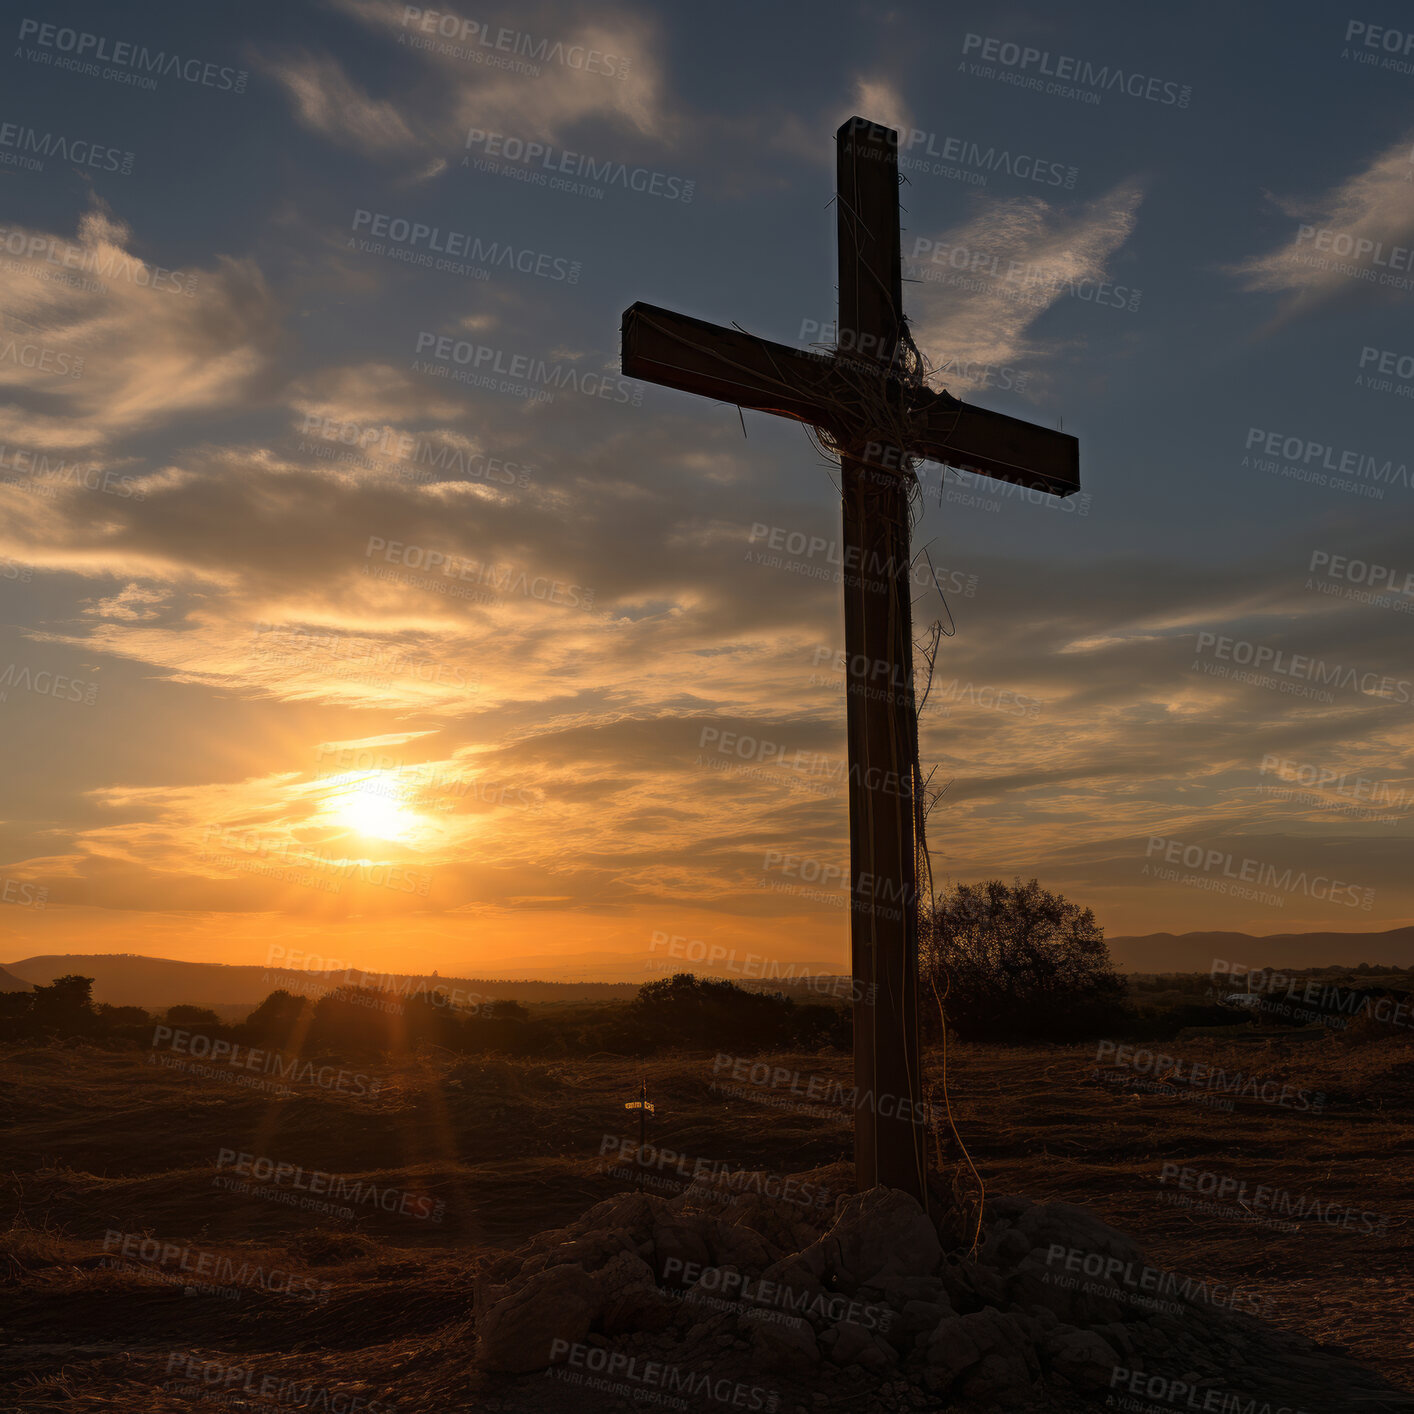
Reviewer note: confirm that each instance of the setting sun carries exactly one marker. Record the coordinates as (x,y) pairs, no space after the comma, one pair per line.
(372,805)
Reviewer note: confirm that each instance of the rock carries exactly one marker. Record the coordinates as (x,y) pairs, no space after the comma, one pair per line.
(1008,1206)
(1084,1358)
(880,1236)
(591,1250)
(800,1275)
(784,1347)
(901,1290)
(786,1226)
(1064,1226)
(1004,1247)
(515,1330)
(736,1246)
(916,1318)
(623,1272)
(678,1246)
(985,1355)
(630,1297)
(634,1213)
(970,1288)
(870,1301)
(849,1343)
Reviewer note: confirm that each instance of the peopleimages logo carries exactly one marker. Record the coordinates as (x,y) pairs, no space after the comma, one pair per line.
(1362,572)
(478,43)
(1263,1198)
(189,1375)
(1144,1286)
(281,1064)
(46,683)
(343,1188)
(1209,1399)
(426,460)
(915,146)
(527,376)
(27,146)
(105,262)
(503,579)
(137,59)
(137,1252)
(1195,858)
(24,352)
(1175,1071)
(1355,788)
(1263,658)
(716,1173)
(1030,282)
(595,1367)
(550,160)
(1326,458)
(423,242)
(726,1289)
(816,1090)
(1082,72)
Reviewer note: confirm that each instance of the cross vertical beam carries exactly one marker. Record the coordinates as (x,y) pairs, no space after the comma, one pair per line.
(876,410)
(882,720)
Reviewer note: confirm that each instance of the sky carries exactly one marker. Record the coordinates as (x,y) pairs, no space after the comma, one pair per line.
(352,602)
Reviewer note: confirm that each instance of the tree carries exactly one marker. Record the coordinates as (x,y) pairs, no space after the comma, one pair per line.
(277,1019)
(1016,962)
(64,1007)
(684,1011)
(505,1009)
(111,1018)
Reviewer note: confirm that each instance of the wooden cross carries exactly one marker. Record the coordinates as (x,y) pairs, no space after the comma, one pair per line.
(868,403)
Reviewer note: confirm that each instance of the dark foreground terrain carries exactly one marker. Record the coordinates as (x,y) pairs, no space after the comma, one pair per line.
(180,1239)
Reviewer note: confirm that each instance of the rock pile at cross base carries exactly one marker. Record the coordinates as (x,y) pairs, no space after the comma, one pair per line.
(868,1309)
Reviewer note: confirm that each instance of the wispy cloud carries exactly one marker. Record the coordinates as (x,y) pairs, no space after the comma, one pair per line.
(541,85)
(1371,211)
(156,344)
(879,100)
(1020,256)
(329,102)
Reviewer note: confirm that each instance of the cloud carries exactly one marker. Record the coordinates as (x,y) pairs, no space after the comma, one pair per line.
(152,344)
(880,101)
(985,282)
(535,81)
(328,102)
(135,603)
(1372,210)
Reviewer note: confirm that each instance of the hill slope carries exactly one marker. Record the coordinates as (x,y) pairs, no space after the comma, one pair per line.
(1196,952)
(127,979)
(10,983)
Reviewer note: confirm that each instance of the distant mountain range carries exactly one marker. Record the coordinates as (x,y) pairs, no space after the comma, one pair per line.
(1196,952)
(10,983)
(127,979)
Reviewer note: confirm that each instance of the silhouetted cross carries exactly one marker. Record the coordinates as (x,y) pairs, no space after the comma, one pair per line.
(868,402)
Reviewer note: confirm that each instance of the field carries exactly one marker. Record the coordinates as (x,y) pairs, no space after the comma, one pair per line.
(465,1158)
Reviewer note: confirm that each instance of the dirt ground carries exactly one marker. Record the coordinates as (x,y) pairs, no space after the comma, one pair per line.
(138,1260)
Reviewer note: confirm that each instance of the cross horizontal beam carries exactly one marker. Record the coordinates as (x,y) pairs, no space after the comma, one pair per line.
(960,434)
(693,356)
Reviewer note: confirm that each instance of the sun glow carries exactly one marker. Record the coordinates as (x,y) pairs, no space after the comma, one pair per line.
(371,804)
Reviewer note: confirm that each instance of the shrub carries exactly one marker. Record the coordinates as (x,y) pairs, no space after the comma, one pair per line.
(1015,962)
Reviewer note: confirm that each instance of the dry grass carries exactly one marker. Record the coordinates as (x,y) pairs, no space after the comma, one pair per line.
(101,1143)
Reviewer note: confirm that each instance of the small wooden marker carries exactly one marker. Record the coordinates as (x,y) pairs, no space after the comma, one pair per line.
(644,1108)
